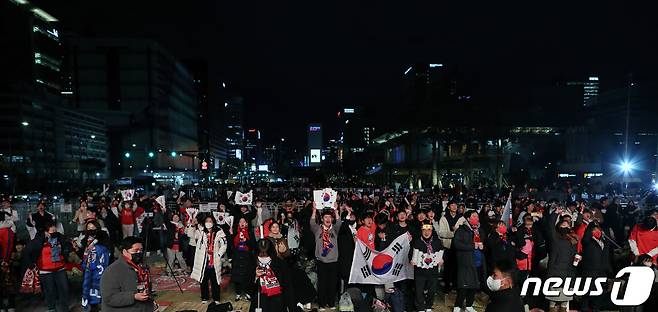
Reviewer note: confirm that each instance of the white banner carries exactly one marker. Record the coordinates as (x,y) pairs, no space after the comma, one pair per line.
(127,194)
(213,205)
(385,267)
(243,198)
(324,198)
(204,208)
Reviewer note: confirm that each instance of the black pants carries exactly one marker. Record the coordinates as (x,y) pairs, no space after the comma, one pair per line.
(450,270)
(189,255)
(209,279)
(239,289)
(425,283)
(268,304)
(465,297)
(55,288)
(327,281)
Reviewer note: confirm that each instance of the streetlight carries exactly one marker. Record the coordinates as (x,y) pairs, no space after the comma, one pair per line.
(93,136)
(626,167)
(151,154)
(25,123)
(127,155)
(173,154)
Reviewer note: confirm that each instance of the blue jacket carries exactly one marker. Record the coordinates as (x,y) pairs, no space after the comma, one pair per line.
(94,264)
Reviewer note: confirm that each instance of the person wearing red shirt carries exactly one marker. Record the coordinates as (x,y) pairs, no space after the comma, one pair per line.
(644,237)
(127,219)
(46,253)
(580,228)
(367,230)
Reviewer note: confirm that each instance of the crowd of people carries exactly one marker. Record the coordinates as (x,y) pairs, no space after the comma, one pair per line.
(291,258)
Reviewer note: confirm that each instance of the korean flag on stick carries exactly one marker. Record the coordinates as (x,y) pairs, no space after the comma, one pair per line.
(324,198)
(385,267)
(127,194)
(243,198)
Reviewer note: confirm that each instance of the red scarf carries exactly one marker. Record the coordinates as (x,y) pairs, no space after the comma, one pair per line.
(325,239)
(269,283)
(143,274)
(211,248)
(240,239)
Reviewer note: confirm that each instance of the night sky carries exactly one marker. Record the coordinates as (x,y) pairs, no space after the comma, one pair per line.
(306,60)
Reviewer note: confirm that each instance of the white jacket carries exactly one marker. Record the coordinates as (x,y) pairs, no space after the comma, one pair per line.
(446,233)
(201,255)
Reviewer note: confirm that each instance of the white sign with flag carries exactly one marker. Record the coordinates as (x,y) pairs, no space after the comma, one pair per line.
(213,205)
(127,194)
(161,201)
(192,212)
(385,267)
(223,218)
(324,198)
(204,208)
(244,198)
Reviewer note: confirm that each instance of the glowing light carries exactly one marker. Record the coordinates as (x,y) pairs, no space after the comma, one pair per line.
(626,166)
(174,154)
(408,70)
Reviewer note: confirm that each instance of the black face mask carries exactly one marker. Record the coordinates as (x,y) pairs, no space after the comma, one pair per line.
(564,231)
(137,258)
(91,232)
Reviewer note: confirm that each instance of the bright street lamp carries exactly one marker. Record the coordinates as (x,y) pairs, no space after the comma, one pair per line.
(25,123)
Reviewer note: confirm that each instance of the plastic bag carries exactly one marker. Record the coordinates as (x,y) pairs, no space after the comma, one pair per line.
(345,303)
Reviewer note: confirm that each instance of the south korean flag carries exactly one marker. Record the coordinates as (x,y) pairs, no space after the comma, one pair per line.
(385,267)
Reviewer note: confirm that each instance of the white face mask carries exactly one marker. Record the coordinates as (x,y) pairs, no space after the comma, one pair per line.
(209,226)
(494,284)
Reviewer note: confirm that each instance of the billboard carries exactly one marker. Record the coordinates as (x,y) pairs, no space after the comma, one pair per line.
(315,156)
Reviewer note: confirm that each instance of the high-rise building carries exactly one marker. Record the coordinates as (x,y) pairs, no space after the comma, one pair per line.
(146,97)
(234,127)
(44,142)
(253,147)
(368,135)
(590,89)
(314,149)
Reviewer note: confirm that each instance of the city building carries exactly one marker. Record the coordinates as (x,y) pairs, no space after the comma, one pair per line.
(146,97)
(313,157)
(590,89)
(234,119)
(253,148)
(45,143)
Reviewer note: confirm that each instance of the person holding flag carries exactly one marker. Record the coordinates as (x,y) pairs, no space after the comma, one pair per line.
(427,258)
(326,253)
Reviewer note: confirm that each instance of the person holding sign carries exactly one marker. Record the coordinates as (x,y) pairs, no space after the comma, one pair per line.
(427,258)
(326,252)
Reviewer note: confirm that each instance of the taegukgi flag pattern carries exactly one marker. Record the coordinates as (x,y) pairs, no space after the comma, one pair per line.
(385,267)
